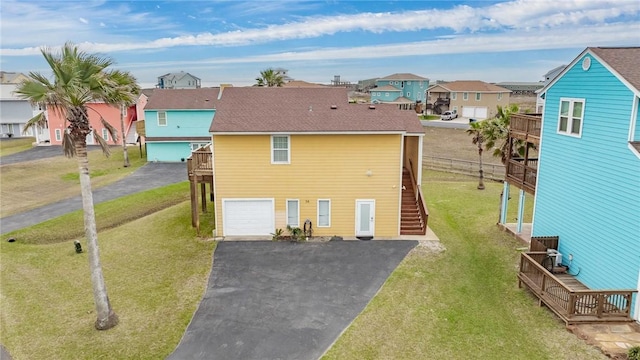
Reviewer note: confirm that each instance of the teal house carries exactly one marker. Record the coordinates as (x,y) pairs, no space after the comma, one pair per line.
(177,122)
(405,90)
(587,187)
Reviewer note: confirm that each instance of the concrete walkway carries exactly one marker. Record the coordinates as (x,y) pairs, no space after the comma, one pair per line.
(282,300)
(149,176)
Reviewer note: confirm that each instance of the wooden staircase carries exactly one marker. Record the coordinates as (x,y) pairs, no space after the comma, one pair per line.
(411,222)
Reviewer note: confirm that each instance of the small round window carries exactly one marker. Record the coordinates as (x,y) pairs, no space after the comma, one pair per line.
(586,63)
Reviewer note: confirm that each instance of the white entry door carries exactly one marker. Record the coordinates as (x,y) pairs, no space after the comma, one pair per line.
(365,218)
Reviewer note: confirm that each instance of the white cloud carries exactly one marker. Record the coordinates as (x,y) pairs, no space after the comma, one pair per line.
(83,20)
(502,17)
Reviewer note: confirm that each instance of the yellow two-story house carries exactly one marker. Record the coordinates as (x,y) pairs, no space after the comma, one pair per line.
(286,156)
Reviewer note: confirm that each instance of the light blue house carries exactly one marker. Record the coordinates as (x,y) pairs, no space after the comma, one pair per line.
(588,169)
(403,89)
(177,122)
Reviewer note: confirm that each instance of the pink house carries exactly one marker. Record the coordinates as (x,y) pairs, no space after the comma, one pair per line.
(96,110)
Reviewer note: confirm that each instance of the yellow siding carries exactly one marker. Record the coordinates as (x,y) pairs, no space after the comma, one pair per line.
(322,167)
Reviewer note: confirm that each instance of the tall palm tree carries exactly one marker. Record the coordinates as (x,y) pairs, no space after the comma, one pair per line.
(476,130)
(78,79)
(270,78)
(496,133)
(124,86)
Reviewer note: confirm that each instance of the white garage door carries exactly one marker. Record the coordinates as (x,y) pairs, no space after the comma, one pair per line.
(248,217)
(476,112)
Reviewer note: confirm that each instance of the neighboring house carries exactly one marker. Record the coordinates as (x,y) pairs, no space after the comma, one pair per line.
(181,80)
(15,112)
(284,73)
(404,90)
(471,99)
(522,87)
(550,75)
(306,153)
(96,112)
(586,179)
(177,121)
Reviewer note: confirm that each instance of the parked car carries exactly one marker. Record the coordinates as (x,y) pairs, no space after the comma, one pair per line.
(449,115)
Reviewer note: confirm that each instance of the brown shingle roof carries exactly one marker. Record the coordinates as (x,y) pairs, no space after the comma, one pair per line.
(473,85)
(403,76)
(624,60)
(295,110)
(385,88)
(301,83)
(183,99)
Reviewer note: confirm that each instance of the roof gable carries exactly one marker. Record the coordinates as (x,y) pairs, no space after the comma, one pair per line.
(305,110)
(183,99)
(621,62)
(403,76)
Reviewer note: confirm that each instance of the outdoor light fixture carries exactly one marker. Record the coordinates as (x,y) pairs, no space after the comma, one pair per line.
(78,246)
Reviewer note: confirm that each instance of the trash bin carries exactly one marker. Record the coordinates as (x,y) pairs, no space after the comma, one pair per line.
(472,120)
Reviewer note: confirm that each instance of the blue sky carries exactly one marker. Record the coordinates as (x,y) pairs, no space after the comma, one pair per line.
(232,41)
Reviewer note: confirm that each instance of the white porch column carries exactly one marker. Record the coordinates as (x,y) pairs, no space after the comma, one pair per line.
(520,211)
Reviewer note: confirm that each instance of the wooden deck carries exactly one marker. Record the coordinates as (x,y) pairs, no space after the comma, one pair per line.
(522,171)
(200,172)
(568,298)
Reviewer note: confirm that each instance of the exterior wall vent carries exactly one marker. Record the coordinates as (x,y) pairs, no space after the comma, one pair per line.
(372,107)
(334,107)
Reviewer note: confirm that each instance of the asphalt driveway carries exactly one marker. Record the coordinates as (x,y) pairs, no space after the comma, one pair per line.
(149,176)
(281,300)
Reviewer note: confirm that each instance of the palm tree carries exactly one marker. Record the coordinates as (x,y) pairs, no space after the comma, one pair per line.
(269,78)
(476,130)
(78,79)
(496,133)
(123,93)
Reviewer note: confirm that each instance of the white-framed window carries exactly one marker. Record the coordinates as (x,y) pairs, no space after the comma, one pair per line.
(419,96)
(408,82)
(293,212)
(570,116)
(478,96)
(280,153)
(465,96)
(58,134)
(162,118)
(105,134)
(196,146)
(499,96)
(386,94)
(454,95)
(408,93)
(324,213)
(455,108)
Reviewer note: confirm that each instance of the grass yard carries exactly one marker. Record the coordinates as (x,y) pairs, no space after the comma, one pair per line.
(463,303)
(32,184)
(453,144)
(156,271)
(12,146)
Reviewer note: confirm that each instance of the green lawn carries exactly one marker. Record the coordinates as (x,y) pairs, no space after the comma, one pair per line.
(12,146)
(463,303)
(156,271)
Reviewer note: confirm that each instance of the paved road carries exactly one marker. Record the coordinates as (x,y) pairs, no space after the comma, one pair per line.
(36,153)
(149,176)
(281,300)
(459,123)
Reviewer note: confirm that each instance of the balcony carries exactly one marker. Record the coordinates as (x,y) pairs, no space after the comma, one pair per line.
(523,173)
(526,127)
(568,298)
(200,172)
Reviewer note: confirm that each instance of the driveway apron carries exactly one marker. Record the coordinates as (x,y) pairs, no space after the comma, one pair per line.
(281,300)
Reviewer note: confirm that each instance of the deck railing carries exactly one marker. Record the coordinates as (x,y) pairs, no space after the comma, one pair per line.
(200,162)
(523,175)
(526,126)
(572,305)
(422,207)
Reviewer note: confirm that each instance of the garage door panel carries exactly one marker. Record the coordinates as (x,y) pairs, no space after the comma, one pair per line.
(477,112)
(248,217)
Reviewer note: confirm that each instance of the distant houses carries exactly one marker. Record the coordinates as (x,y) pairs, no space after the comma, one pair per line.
(179,80)
(403,89)
(472,99)
(15,112)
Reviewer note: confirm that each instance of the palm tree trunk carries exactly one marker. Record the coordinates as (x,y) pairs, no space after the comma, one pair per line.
(481,171)
(124,138)
(107,318)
